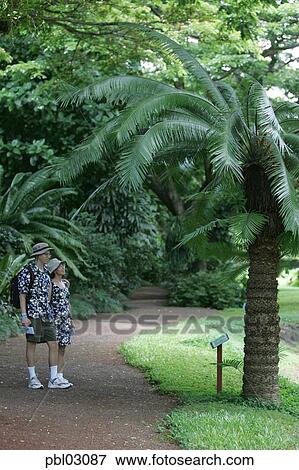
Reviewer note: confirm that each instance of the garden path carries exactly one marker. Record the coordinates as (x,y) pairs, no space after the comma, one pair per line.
(111,405)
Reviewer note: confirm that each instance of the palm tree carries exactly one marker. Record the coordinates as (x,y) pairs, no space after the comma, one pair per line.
(249,147)
(26,209)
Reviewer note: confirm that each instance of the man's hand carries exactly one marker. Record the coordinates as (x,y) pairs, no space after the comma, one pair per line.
(26,322)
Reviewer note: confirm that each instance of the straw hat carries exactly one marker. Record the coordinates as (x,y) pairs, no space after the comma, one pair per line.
(53,264)
(40,249)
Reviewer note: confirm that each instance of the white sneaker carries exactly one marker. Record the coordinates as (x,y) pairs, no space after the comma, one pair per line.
(58,383)
(34,383)
(66,381)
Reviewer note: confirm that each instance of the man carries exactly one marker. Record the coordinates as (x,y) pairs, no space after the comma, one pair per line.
(35,292)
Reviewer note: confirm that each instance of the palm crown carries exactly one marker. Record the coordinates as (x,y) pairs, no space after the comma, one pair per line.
(161,125)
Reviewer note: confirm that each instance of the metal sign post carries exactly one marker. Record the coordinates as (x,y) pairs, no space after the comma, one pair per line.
(217,343)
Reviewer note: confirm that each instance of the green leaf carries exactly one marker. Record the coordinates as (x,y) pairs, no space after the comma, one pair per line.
(121,89)
(246,227)
(283,190)
(134,162)
(224,148)
(190,63)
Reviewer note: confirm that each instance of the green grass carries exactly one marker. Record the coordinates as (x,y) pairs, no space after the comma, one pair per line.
(288,299)
(229,426)
(184,365)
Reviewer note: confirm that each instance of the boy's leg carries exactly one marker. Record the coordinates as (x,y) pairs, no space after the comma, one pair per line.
(50,338)
(53,358)
(61,352)
(61,355)
(53,353)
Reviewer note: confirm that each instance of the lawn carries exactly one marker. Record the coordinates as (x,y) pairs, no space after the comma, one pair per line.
(230,426)
(288,299)
(184,365)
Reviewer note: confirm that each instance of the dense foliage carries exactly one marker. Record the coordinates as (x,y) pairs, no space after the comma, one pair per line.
(205,289)
(125,240)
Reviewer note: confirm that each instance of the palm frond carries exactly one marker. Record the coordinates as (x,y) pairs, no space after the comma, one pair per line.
(201,230)
(23,193)
(9,266)
(289,244)
(283,190)
(287,110)
(237,267)
(149,110)
(225,150)
(233,363)
(290,125)
(8,198)
(246,227)
(100,144)
(267,121)
(293,142)
(190,63)
(121,89)
(102,187)
(135,162)
(53,194)
(67,256)
(229,95)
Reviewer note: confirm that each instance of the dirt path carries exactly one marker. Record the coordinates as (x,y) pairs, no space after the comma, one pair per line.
(111,405)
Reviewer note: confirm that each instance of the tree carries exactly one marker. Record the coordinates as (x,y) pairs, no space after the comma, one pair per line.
(250,147)
(26,209)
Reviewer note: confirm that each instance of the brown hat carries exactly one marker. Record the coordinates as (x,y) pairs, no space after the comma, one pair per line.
(40,249)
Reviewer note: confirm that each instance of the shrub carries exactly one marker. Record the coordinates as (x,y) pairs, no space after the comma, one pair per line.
(204,289)
(104,303)
(9,321)
(81,308)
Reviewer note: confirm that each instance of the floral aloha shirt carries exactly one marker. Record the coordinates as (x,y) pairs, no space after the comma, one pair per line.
(60,302)
(38,305)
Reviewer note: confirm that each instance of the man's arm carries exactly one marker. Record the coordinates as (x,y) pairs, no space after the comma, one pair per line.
(24,319)
(23,286)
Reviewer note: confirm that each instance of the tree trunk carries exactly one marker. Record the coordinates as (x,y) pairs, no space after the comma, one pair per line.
(168,194)
(262,323)
(260,380)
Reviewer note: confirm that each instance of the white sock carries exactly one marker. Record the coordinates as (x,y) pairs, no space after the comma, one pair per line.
(60,375)
(31,372)
(53,372)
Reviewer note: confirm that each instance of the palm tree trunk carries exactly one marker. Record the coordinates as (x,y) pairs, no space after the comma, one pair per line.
(262,323)
(260,380)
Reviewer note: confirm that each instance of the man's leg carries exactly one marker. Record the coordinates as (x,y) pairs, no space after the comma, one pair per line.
(30,354)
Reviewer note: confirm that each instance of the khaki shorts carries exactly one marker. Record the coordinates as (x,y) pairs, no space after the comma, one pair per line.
(44,331)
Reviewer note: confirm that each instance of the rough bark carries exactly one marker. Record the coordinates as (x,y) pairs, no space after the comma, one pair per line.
(260,380)
(262,323)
